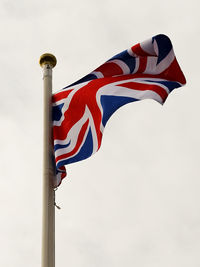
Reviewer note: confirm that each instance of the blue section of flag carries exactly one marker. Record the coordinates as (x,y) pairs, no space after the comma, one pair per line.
(127,59)
(57,112)
(87,78)
(56,147)
(164,46)
(170,84)
(85,151)
(111,103)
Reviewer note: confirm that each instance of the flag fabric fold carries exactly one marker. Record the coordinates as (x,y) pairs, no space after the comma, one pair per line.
(148,70)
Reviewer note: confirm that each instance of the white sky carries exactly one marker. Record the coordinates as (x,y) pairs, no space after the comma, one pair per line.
(134,203)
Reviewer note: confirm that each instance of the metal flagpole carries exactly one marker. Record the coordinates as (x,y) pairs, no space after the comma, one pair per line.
(47,62)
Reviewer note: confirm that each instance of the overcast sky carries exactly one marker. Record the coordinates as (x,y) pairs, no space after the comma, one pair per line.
(134,203)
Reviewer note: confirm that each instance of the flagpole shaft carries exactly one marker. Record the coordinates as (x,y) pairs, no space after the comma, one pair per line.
(48,216)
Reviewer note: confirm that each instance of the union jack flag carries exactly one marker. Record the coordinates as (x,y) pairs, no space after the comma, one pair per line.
(148,70)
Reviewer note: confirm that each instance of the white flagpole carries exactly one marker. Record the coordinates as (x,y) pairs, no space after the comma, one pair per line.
(47,62)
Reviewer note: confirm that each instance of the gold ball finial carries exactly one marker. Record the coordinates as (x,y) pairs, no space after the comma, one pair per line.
(48,59)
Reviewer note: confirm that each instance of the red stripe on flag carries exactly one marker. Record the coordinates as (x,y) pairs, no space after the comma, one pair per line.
(144,87)
(110,69)
(139,51)
(142,64)
(60,95)
(174,73)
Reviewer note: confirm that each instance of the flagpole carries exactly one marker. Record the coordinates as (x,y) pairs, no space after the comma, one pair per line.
(47,62)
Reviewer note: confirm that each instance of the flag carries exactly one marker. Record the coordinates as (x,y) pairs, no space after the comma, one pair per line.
(148,70)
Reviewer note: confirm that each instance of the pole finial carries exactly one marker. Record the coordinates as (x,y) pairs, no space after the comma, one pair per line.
(48,59)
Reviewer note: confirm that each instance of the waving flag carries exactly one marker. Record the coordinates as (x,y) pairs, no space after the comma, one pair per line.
(148,70)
